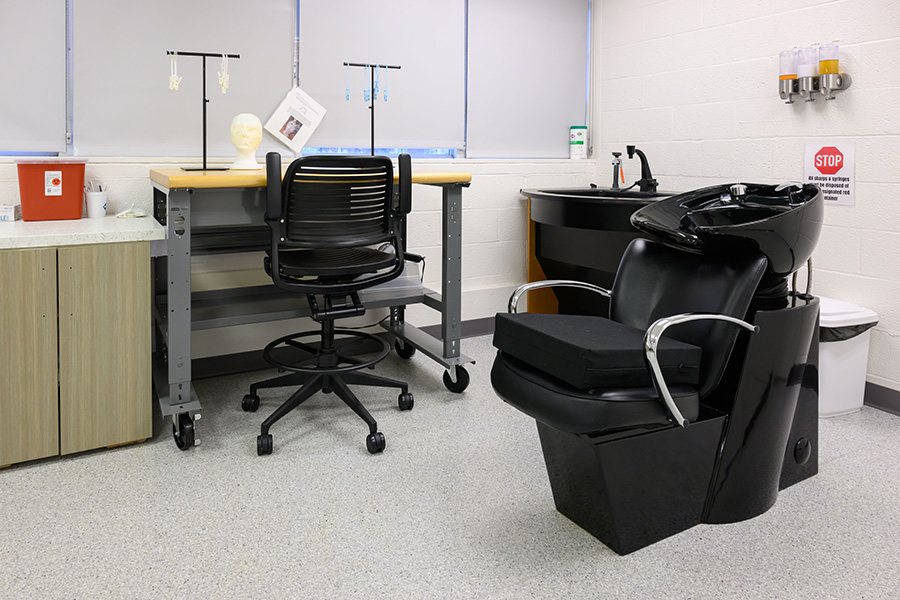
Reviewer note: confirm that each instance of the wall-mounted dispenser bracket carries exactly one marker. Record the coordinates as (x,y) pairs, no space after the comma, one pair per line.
(807,87)
(833,82)
(786,89)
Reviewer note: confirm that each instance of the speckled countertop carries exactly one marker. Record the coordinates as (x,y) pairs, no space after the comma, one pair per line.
(78,232)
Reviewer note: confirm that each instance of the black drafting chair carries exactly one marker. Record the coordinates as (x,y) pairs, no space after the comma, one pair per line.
(335,231)
(613,398)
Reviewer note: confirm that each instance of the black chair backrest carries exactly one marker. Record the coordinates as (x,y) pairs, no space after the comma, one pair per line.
(655,281)
(337,201)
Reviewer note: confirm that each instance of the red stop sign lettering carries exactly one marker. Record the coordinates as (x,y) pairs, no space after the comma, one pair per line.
(829,160)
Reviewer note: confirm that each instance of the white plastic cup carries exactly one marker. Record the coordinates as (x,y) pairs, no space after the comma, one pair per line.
(96,204)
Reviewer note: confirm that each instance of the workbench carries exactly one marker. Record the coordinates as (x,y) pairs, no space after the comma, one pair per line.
(223,212)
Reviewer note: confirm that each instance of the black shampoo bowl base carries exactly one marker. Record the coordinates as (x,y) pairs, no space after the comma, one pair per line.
(630,491)
(634,488)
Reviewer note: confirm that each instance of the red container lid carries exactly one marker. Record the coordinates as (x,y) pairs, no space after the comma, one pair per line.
(51,160)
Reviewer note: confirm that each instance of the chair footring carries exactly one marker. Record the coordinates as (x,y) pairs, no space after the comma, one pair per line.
(289,341)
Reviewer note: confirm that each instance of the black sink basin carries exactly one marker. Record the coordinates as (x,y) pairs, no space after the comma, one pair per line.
(782,222)
(588,193)
(588,208)
(580,233)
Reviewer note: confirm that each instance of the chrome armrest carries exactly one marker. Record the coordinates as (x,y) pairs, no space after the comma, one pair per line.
(527,287)
(651,341)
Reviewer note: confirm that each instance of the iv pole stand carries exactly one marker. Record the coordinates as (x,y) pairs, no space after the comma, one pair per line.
(372,96)
(205,102)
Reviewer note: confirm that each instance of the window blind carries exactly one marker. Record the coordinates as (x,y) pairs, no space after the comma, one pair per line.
(122,102)
(426,97)
(33,72)
(527,77)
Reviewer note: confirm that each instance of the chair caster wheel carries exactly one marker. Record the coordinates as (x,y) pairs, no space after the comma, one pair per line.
(405,401)
(250,403)
(375,442)
(264,444)
(404,350)
(461,383)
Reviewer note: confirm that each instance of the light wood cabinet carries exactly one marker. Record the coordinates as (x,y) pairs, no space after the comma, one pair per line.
(104,345)
(87,309)
(29,405)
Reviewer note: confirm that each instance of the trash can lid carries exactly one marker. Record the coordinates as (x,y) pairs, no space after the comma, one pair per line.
(837,313)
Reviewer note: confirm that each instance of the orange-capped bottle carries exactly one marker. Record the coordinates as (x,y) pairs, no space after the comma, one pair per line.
(788,64)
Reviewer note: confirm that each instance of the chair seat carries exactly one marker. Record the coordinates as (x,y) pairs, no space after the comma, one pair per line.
(589,352)
(566,408)
(331,263)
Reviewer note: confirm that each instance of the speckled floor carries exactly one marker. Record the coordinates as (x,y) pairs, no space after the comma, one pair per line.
(458,506)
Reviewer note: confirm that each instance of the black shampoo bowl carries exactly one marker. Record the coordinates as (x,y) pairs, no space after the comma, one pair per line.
(696,401)
(781,222)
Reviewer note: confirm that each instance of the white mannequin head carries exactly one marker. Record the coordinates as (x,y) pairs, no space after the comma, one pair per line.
(246,134)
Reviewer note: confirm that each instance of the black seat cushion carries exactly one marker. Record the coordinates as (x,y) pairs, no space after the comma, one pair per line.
(590,352)
(330,263)
(563,407)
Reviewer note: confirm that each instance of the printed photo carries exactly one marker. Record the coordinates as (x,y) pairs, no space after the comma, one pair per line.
(290,128)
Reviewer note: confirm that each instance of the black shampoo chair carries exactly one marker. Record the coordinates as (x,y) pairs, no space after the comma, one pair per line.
(335,231)
(646,435)
(589,374)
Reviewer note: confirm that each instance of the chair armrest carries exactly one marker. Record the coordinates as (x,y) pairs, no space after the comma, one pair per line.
(404,181)
(273,186)
(651,341)
(527,287)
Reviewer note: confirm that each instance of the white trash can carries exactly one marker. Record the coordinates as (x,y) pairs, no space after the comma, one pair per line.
(843,354)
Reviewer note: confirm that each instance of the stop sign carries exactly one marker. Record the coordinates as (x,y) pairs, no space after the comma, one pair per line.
(828,160)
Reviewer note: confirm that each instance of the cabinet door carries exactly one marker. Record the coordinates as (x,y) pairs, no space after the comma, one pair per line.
(29,418)
(104,345)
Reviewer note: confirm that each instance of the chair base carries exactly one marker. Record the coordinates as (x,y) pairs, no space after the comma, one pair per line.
(632,490)
(332,372)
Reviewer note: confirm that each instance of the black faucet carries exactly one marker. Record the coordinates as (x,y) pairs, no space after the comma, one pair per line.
(647,183)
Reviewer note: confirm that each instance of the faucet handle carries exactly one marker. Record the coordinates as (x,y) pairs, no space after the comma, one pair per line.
(738,192)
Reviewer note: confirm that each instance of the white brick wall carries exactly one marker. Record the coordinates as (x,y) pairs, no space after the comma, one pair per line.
(694,84)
